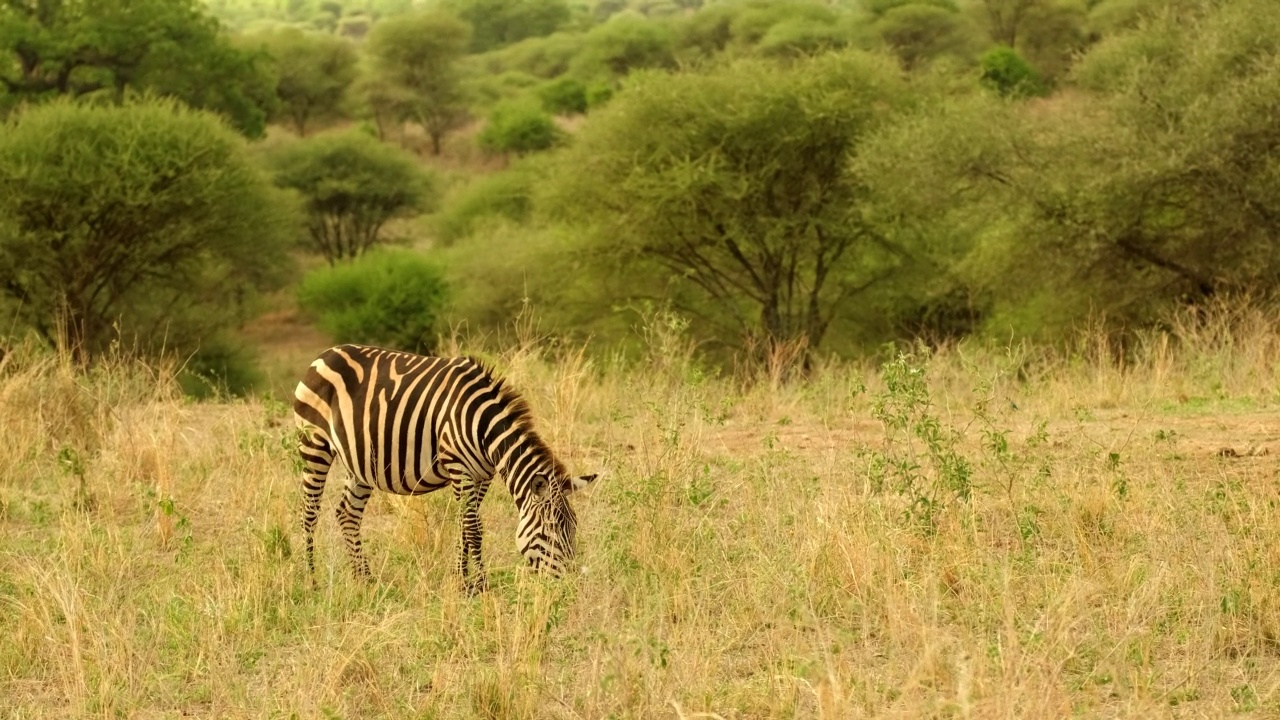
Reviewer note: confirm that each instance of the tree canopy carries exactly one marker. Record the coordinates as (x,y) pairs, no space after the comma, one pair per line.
(736,182)
(351,185)
(313,73)
(414,73)
(106,47)
(143,222)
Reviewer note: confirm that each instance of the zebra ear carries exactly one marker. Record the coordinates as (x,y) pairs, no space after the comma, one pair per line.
(539,486)
(574,484)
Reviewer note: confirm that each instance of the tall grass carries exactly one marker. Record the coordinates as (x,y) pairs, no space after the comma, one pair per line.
(740,558)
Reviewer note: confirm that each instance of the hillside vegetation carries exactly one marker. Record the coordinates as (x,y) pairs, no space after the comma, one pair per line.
(834,176)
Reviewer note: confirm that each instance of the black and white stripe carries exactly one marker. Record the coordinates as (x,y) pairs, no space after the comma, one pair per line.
(409,424)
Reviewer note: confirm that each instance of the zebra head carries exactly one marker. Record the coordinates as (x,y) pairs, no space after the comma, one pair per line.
(546,534)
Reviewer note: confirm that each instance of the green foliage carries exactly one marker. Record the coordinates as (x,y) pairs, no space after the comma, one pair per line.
(490,90)
(143,222)
(1151,188)
(390,298)
(627,42)
(1046,32)
(1006,72)
(736,183)
(501,22)
(313,73)
(753,23)
(502,196)
(919,32)
(802,36)
(544,57)
(599,93)
(707,32)
(520,128)
(880,7)
(351,186)
(220,367)
(565,96)
(104,48)
(415,75)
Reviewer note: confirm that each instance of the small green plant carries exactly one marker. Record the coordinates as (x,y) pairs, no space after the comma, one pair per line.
(181,525)
(73,464)
(922,462)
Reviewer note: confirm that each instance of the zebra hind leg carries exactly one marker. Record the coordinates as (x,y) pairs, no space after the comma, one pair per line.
(350,513)
(317,458)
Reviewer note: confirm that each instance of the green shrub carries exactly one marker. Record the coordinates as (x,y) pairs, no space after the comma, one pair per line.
(504,195)
(802,36)
(919,33)
(391,298)
(598,94)
(545,57)
(520,128)
(565,96)
(145,224)
(627,42)
(880,7)
(1006,72)
(751,25)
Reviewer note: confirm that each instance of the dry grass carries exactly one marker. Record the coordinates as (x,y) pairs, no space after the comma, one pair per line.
(747,555)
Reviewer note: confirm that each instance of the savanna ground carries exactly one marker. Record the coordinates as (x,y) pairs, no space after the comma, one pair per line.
(962,533)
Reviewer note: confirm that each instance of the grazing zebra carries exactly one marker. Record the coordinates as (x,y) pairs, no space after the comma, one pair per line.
(409,424)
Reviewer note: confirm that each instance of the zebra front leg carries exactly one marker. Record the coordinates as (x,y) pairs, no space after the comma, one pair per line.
(472,534)
(350,513)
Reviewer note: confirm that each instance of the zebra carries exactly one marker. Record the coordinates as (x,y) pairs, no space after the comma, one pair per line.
(410,424)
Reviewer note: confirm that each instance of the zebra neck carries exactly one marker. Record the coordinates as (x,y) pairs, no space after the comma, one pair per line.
(522,457)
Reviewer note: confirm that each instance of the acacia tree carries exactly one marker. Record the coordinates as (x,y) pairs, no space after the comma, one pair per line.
(351,186)
(414,71)
(169,47)
(145,220)
(1153,185)
(738,183)
(313,73)
(502,22)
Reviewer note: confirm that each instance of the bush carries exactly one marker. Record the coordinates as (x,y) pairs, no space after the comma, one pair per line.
(505,195)
(545,57)
(801,36)
(566,96)
(390,298)
(351,185)
(920,33)
(627,42)
(520,128)
(144,223)
(1006,72)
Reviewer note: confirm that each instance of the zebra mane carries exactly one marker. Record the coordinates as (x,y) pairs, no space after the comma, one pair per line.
(521,415)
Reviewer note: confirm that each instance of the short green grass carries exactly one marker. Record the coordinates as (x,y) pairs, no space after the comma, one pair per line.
(963,534)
